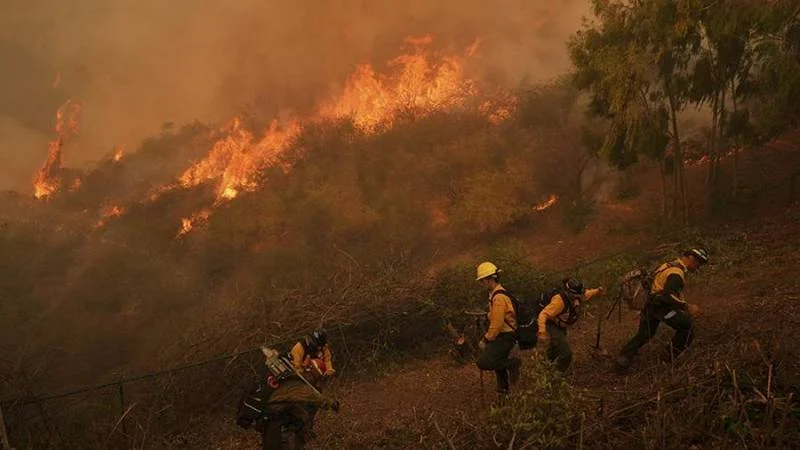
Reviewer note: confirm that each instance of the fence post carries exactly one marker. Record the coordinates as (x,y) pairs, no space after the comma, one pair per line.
(4,444)
(121,392)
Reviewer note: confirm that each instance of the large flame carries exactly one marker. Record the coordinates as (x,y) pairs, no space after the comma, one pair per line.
(237,158)
(368,98)
(47,180)
(417,84)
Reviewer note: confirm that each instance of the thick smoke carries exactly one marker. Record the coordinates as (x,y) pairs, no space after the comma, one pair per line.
(137,64)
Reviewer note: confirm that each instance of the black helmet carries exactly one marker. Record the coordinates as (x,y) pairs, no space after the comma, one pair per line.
(573,286)
(700,254)
(318,338)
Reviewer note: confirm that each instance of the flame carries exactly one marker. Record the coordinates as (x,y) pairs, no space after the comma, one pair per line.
(551,200)
(418,84)
(118,153)
(236,159)
(188,223)
(474,47)
(47,180)
(371,99)
(109,213)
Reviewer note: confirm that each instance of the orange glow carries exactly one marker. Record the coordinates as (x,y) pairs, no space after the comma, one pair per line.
(547,203)
(47,181)
(118,153)
(236,159)
(108,214)
(188,223)
(418,84)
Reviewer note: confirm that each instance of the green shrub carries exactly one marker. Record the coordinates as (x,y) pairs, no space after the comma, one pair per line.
(542,413)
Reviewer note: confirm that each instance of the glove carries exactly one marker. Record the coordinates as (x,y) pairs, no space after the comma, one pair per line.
(482,343)
(330,372)
(693,310)
(601,291)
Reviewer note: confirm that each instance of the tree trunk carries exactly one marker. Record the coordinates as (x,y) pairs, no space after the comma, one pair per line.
(720,136)
(712,144)
(680,181)
(735,179)
(664,212)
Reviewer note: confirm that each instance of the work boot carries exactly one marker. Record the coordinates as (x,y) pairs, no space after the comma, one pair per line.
(623,362)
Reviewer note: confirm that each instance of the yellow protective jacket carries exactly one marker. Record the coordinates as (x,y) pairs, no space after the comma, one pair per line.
(556,311)
(300,360)
(502,317)
(667,286)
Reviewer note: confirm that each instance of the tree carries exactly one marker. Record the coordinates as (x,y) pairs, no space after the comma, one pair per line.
(643,62)
(634,62)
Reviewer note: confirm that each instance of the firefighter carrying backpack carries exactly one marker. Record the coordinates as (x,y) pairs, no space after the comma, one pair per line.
(635,286)
(571,308)
(525,332)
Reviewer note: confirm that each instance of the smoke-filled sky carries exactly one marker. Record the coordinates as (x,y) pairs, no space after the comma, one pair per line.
(136,64)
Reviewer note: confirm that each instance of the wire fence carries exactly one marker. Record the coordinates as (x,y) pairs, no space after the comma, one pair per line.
(128,411)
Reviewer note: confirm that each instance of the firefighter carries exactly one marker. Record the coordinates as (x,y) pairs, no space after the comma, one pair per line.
(309,351)
(283,400)
(666,304)
(498,341)
(292,407)
(560,310)
(312,358)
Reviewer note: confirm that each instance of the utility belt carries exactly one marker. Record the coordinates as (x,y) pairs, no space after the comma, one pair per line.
(657,306)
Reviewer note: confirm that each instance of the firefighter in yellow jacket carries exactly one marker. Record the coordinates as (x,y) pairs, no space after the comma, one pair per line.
(557,315)
(666,304)
(312,348)
(498,341)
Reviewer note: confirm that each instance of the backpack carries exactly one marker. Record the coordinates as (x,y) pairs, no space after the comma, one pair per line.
(525,332)
(571,307)
(252,402)
(256,393)
(635,286)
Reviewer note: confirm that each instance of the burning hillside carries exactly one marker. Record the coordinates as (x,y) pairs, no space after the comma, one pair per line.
(417,83)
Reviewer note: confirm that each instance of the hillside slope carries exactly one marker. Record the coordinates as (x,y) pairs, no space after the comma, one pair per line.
(749,300)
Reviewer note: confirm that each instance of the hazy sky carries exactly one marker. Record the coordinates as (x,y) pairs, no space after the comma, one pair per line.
(135,64)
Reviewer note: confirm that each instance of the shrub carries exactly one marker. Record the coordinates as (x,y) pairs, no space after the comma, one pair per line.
(542,414)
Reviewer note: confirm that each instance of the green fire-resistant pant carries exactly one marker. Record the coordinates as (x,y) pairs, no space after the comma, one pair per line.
(649,321)
(495,357)
(558,351)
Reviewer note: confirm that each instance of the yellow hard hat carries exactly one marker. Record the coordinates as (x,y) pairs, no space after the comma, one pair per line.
(486,269)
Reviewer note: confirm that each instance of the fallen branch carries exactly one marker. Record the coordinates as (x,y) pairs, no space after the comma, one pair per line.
(444,436)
